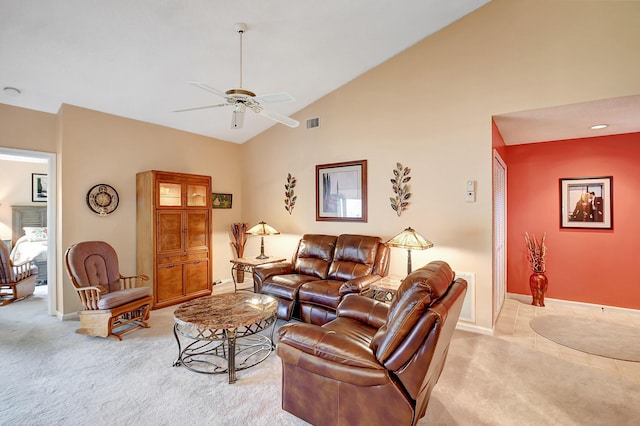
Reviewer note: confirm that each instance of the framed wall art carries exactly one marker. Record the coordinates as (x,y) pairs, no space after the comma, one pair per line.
(221,201)
(39,187)
(586,202)
(341,192)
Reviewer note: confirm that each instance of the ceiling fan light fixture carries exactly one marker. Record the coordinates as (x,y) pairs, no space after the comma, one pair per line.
(237,118)
(241,98)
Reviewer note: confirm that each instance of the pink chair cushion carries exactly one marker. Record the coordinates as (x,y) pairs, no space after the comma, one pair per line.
(121,297)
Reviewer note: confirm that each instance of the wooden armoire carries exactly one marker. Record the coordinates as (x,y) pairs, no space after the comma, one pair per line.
(174,235)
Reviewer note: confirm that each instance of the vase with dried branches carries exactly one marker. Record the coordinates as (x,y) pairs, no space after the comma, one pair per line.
(239,231)
(536,253)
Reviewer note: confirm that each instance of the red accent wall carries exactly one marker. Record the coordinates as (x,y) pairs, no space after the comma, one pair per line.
(583,265)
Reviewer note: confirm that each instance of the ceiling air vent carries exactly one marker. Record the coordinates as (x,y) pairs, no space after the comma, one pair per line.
(313,122)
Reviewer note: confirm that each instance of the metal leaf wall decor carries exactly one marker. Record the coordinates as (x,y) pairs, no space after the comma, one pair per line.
(400,188)
(289,197)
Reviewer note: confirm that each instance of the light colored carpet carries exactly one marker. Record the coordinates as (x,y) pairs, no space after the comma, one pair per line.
(52,376)
(591,335)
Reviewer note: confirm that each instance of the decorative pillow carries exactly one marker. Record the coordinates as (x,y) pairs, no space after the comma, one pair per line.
(35,233)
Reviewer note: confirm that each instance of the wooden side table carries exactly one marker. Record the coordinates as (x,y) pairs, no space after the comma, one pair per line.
(247,264)
(385,289)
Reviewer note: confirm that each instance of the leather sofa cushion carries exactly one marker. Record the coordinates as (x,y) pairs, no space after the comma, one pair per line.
(315,253)
(326,344)
(322,292)
(354,257)
(120,297)
(285,286)
(412,299)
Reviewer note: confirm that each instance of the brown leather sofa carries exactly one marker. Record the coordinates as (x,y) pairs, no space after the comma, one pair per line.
(324,269)
(375,364)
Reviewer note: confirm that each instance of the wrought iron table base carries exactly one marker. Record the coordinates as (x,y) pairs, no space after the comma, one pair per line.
(225,351)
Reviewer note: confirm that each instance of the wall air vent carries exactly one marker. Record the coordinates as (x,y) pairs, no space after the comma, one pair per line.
(313,122)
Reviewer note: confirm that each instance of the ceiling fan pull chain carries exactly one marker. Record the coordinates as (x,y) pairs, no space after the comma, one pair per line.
(241,31)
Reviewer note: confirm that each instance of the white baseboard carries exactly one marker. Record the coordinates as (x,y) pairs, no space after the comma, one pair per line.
(589,306)
(73,316)
(474,328)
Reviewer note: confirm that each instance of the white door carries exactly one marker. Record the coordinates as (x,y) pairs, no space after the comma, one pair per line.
(499,233)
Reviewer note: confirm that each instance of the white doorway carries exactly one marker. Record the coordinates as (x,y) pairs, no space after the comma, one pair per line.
(11,154)
(499,234)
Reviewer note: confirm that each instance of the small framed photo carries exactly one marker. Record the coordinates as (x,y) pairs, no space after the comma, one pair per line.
(221,201)
(341,192)
(586,202)
(39,187)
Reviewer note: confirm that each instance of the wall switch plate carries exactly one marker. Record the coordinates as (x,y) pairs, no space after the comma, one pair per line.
(471,196)
(471,187)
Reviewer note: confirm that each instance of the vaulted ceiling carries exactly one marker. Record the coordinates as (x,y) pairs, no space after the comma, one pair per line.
(135,58)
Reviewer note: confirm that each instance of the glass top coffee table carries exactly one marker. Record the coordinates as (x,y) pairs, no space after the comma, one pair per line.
(224,332)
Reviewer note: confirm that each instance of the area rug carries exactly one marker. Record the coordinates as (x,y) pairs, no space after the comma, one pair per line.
(594,336)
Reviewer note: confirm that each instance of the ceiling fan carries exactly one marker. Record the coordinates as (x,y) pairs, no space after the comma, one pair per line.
(241,99)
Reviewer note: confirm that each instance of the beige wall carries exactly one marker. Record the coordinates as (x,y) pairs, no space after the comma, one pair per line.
(22,128)
(430,108)
(15,190)
(102,148)
(92,148)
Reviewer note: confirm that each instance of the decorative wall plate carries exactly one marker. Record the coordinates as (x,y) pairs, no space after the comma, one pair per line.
(102,199)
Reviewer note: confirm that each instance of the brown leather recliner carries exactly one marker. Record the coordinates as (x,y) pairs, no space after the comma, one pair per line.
(375,364)
(323,271)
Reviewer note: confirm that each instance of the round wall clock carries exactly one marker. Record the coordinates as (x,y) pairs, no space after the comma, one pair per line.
(102,199)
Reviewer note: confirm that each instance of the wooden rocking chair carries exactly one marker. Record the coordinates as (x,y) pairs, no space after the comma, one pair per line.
(16,281)
(112,303)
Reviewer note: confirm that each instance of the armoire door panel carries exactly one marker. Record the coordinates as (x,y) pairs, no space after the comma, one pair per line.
(197,228)
(169,232)
(196,276)
(169,284)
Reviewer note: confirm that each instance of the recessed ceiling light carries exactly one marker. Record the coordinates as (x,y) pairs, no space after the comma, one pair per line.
(11,91)
(599,126)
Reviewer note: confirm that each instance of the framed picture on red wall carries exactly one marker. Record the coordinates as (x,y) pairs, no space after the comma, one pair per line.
(586,202)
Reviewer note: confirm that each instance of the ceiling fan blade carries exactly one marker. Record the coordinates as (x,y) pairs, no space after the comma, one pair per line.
(274,98)
(287,121)
(201,107)
(208,89)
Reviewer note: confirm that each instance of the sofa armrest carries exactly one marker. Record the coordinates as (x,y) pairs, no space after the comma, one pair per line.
(261,273)
(358,285)
(364,309)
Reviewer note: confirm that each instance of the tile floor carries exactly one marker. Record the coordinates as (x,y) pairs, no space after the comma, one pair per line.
(513,326)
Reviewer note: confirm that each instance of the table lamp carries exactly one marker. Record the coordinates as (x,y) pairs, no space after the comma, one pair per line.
(262,229)
(409,239)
